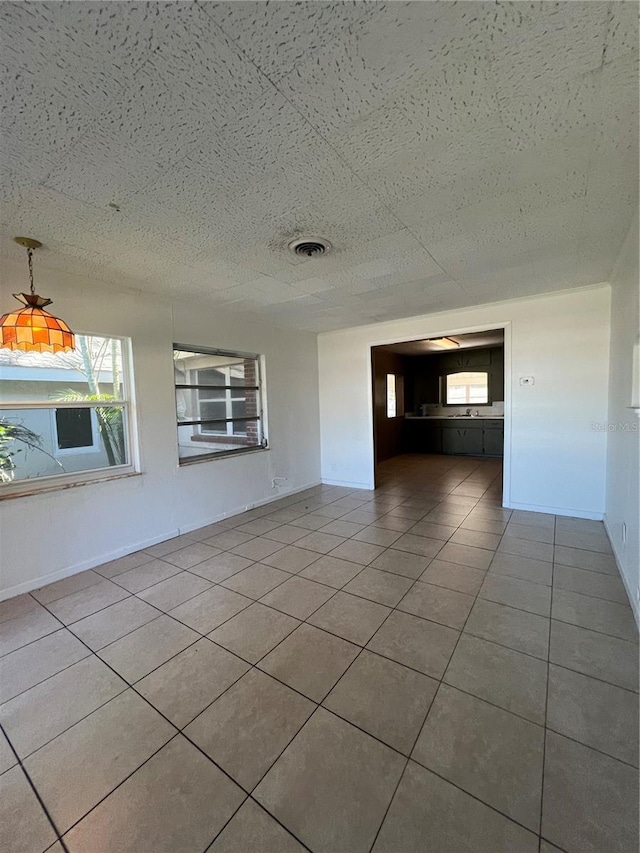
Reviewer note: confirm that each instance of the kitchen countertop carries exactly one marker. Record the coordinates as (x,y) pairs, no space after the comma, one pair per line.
(454,417)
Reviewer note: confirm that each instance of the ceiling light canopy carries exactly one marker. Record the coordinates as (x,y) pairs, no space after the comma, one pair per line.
(444,343)
(32,329)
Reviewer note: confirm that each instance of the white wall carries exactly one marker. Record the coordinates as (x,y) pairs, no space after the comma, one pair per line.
(623,471)
(557,456)
(47,536)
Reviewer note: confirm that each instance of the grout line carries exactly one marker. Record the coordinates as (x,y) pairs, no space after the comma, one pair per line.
(35,790)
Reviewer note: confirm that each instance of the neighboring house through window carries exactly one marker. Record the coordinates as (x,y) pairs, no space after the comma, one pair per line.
(65,417)
(219,403)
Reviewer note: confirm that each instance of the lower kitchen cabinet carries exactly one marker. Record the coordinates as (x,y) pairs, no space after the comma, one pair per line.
(462,440)
(455,437)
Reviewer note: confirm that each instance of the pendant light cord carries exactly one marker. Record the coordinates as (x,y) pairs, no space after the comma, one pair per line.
(30,254)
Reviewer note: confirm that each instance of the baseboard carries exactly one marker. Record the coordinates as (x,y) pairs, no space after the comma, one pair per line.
(555,510)
(28,586)
(347,484)
(632,594)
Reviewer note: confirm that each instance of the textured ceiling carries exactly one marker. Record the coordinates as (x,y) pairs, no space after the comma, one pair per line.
(453,153)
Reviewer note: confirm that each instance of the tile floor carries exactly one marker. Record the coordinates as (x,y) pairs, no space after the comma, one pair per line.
(414,669)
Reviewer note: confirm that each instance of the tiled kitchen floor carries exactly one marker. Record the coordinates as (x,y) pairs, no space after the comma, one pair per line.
(410,670)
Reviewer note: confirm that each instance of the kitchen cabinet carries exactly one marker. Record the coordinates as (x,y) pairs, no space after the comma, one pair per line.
(465,359)
(455,436)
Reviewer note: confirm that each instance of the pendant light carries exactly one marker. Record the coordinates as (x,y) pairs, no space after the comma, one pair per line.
(32,329)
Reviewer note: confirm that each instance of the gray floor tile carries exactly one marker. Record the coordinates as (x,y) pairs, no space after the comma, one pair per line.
(320,542)
(532,597)
(385,699)
(484,525)
(377,536)
(66,586)
(210,609)
(597,714)
(426,815)
(516,629)
(251,828)
(40,714)
(509,679)
(258,548)
(466,555)
(135,580)
(584,582)
(383,587)
(256,581)
(228,539)
(580,525)
(171,545)
(342,527)
(7,756)
(526,548)
(608,617)
(118,737)
(362,553)
(298,597)
(254,631)
(585,541)
(415,642)
(246,729)
(190,556)
(418,545)
(541,519)
(433,531)
(331,571)
(490,513)
(178,800)
(287,534)
(184,686)
(289,662)
(590,801)
(351,617)
(259,526)
(487,752)
(83,603)
(102,628)
(523,568)
(475,538)
(394,522)
(174,591)
(31,626)
(14,608)
(311,521)
(32,664)
(146,648)
(401,563)
(219,568)
(532,532)
(291,559)
(350,773)
(24,827)
(453,576)
(438,604)
(594,654)
(588,560)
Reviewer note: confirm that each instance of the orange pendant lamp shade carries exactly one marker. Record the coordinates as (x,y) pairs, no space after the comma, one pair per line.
(32,329)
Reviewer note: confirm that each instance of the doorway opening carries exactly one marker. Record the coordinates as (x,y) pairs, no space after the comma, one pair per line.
(441,397)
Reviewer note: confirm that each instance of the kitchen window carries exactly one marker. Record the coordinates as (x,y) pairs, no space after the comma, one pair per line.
(65,418)
(395,395)
(219,403)
(466,387)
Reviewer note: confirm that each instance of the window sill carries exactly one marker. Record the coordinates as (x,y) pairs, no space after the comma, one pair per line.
(224,454)
(28,488)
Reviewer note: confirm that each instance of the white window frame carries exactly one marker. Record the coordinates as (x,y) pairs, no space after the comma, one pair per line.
(53,482)
(467,402)
(260,417)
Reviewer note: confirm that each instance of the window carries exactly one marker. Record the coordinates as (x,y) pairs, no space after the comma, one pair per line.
(65,417)
(466,387)
(219,403)
(391,395)
(395,396)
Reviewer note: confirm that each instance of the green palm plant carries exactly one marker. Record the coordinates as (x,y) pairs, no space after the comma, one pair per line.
(11,435)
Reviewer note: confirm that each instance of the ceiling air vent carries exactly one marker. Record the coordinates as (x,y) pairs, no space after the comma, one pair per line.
(310,247)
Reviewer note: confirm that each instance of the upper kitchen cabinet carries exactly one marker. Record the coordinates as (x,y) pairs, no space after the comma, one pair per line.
(453,361)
